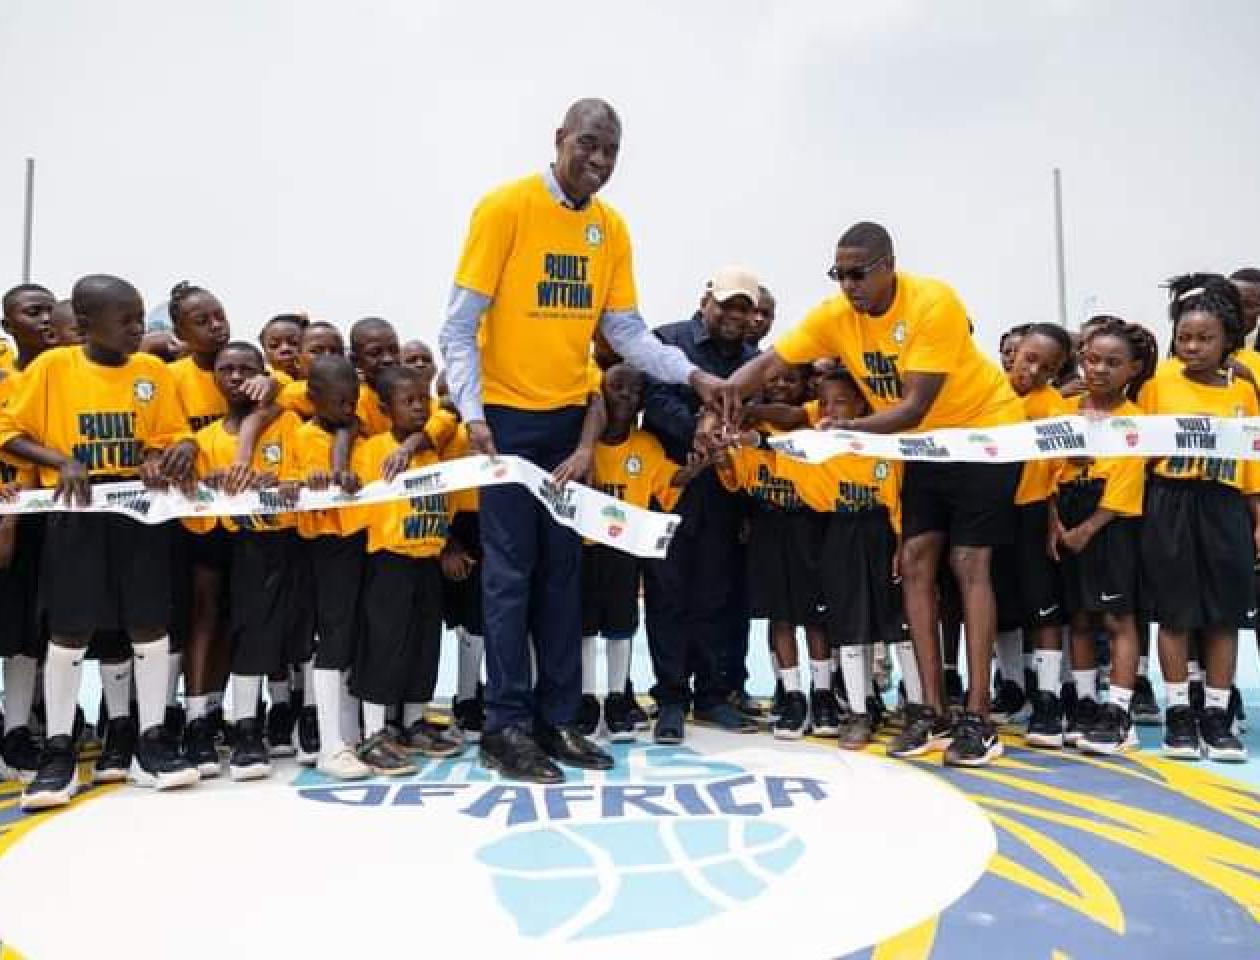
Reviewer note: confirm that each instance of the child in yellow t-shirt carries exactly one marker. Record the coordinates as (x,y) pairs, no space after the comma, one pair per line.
(263,551)
(400,642)
(83,415)
(281,340)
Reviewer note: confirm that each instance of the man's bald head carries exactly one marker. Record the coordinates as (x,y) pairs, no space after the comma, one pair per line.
(589,109)
(587,144)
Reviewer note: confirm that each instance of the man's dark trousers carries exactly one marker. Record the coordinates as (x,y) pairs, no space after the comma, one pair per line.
(530,579)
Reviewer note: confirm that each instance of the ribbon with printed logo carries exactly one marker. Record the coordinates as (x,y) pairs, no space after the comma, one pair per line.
(1224,438)
(595,515)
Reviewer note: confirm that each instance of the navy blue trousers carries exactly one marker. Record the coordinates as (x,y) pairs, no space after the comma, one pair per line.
(530,580)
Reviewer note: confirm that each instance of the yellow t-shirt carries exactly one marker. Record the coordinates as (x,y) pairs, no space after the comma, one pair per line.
(440,427)
(8,356)
(275,453)
(105,417)
(314,454)
(925,330)
(1171,393)
(1036,481)
(550,272)
(279,376)
(1124,478)
(202,401)
(13,470)
(416,527)
(636,471)
(1248,357)
(846,484)
(813,412)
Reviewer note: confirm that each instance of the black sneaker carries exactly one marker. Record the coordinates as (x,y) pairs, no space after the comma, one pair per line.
(1237,715)
(200,748)
(250,759)
(1030,681)
(617,718)
(954,687)
(925,730)
(1045,725)
(1010,705)
(587,720)
(670,727)
(21,754)
(638,716)
(430,740)
(776,705)
(1112,733)
(856,732)
(1219,740)
(469,717)
(56,778)
(160,764)
(975,742)
(824,712)
(793,717)
(1143,708)
(306,740)
(1198,696)
(280,722)
(222,729)
(1181,734)
(117,751)
(173,723)
(1083,717)
(876,712)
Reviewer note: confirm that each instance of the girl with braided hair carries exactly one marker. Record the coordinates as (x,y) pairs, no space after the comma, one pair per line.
(1199,543)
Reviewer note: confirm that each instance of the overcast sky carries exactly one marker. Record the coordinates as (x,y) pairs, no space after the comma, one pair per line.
(326,155)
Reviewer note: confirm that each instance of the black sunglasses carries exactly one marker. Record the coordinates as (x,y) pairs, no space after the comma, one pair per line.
(855,274)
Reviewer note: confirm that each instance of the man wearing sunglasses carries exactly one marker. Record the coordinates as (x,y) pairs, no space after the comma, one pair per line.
(907,341)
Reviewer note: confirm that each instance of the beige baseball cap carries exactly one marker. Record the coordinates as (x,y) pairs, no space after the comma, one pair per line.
(734,281)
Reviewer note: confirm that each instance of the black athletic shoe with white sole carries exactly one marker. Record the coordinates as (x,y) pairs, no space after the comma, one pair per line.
(1219,741)
(1083,717)
(1045,726)
(975,742)
(618,718)
(925,730)
(200,747)
(306,737)
(638,716)
(469,717)
(793,719)
(117,751)
(1112,733)
(1143,708)
(280,722)
(1181,734)
(21,754)
(250,759)
(1237,715)
(1010,705)
(160,764)
(824,713)
(56,779)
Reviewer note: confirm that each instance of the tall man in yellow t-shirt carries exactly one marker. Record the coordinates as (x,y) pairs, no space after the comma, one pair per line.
(907,341)
(545,264)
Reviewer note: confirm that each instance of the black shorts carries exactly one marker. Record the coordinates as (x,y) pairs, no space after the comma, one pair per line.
(21,626)
(972,503)
(784,581)
(337,575)
(260,608)
(205,551)
(103,571)
(461,599)
(1106,576)
(401,640)
(1025,580)
(299,642)
(1197,556)
(863,603)
(610,592)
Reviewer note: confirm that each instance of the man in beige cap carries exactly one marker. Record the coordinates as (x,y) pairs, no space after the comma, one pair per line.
(697,619)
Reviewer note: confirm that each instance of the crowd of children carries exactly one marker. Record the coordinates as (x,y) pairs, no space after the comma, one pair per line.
(337,616)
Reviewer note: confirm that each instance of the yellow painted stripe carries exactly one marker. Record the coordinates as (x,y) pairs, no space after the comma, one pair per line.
(912,944)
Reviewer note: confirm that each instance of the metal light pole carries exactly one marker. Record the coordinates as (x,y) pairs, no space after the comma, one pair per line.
(28,220)
(1060,269)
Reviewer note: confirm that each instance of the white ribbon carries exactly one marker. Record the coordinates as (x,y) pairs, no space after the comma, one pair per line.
(595,515)
(1229,438)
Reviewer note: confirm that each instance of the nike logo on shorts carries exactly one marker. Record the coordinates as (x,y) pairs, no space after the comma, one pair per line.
(1108,597)
(1049,610)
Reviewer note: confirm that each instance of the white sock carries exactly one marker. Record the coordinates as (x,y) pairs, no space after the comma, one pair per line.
(588,665)
(245,693)
(152,665)
(1216,697)
(618,662)
(820,674)
(1194,671)
(1086,684)
(326,689)
(1010,656)
(62,671)
(412,712)
(472,650)
(19,690)
(791,678)
(197,706)
(1144,666)
(304,677)
(116,687)
(1049,665)
(278,691)
(373,719)
(1178,693)
(909,671)
(1121,697)
(855,666)
(174,667)
(350,729)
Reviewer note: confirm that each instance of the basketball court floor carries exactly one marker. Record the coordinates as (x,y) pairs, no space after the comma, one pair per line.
(727,843)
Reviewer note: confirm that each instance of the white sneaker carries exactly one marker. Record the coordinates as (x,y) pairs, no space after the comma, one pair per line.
(343,765)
